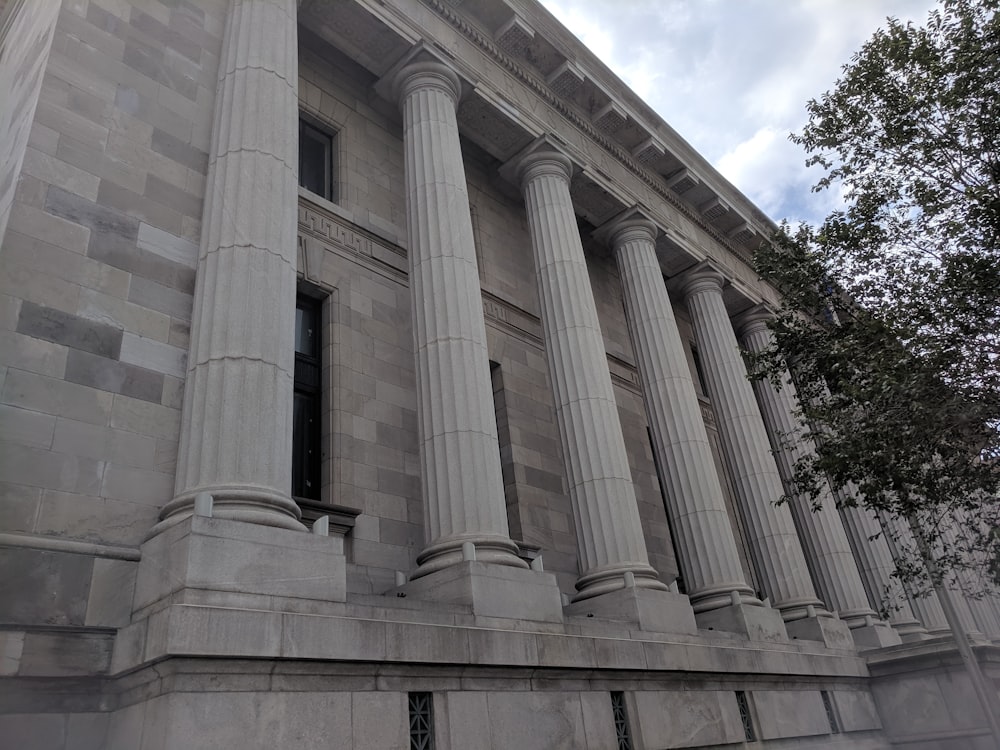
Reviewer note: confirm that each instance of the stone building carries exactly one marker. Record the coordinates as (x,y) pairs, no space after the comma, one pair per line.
(370,378)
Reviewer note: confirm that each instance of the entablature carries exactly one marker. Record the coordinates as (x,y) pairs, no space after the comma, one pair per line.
(520,82)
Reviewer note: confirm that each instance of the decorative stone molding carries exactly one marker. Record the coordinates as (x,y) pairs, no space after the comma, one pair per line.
(567,111)
(566,79)
(610,118)
(648,151)
(715,209)
(513,319)
(320,229)
(514,35)
(682,181)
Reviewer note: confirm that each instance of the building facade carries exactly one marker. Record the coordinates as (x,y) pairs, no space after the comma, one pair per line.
(371,378)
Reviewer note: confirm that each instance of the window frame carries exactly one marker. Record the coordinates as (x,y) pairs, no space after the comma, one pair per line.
(307,469)
(311,128)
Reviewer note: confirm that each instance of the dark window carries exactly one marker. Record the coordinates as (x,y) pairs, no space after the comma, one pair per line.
(306,432)
(744,705)
(317,161)
(698,369)
(506,452)
(830,715)
(421,721)
(622,731)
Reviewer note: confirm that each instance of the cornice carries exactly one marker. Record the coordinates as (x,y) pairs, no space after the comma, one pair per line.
(543,91)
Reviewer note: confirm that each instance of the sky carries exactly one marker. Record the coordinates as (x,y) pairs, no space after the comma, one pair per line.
(733,76)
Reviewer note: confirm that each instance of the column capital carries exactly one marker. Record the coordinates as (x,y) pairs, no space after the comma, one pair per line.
(543,156)
(753,320)
(702,277)
(421,67)
(632,224)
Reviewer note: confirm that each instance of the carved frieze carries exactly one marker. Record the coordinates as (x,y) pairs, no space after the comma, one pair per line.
(624,374)
(321,230)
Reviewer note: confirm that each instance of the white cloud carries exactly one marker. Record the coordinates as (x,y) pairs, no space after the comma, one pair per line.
(733,76)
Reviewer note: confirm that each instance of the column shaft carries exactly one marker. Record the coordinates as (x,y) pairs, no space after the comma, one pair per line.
(776,547)
(904,547)
(979,616)
(236,422)
(871,551)
(609,533)
(698,519)
(461,476)
(821,530)
(982,607)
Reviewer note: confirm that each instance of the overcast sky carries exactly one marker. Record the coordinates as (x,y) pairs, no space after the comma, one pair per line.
(733,76)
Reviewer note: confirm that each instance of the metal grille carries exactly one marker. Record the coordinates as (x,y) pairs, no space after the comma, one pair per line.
(421,721)
(745,717)
(621,721)
(830,715)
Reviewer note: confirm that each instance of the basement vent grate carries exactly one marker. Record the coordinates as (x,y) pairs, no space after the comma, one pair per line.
(621,721)
(421,721)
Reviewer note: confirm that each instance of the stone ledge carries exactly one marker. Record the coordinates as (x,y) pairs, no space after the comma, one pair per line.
(185,630)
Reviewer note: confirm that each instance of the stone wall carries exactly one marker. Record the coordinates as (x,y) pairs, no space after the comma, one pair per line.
(95,291)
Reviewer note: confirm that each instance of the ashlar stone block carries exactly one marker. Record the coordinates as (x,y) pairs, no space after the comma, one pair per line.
(659,611)
(217,554)
(830,631)
(756,623)
(492,591)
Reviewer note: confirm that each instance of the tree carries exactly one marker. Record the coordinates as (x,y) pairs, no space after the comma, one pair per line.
(891,307)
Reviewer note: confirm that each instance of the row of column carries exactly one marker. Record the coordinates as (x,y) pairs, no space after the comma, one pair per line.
(241,353)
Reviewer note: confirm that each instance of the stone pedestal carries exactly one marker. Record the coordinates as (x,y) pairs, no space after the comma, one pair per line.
(754,622)
(491,591)
(775,545)
(646,609)
(829,631)
(461,480)
(698,519)
(204,560)
(611,546)
(236,422)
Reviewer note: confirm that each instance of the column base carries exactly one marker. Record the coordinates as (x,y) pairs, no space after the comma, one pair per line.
(912,632)
(491,591)
(649,609)
(448,552)
(754,622)
(876,635)
(829,631)
(233,559)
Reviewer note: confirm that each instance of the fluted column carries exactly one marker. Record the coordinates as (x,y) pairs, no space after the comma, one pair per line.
(821,529)
(979,617)
(871,550)
(461,476)
(904,548)
(775,544)
(698,519)
(982,607)
(236,423)
(609,534)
